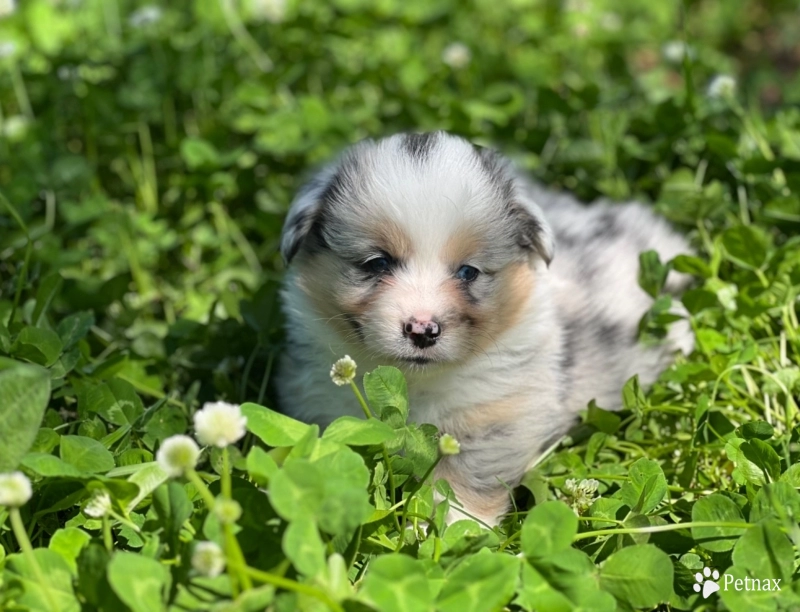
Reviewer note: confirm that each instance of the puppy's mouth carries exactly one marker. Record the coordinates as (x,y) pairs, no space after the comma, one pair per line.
(417,360)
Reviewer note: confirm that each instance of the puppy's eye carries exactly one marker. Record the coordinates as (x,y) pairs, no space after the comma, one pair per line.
(467,273)
(378,265)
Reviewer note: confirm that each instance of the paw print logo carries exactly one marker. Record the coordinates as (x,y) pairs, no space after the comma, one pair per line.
(707,582)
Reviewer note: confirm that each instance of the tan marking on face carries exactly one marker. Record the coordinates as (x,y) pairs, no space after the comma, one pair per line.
(454,296)
(499,312)
(467,319)
(504,309)
(460,246)
(514,289)
(392,239)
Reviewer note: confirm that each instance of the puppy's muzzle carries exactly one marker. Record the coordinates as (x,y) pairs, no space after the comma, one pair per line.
(423,334)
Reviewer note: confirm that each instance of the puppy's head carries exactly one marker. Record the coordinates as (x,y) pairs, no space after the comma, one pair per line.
(419,247)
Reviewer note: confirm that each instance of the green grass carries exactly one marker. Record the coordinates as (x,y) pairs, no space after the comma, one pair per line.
(146,161)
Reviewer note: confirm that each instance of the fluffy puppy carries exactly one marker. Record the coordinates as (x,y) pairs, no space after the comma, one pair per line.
(424,252)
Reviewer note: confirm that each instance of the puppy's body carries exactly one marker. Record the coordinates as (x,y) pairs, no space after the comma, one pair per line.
(422,252)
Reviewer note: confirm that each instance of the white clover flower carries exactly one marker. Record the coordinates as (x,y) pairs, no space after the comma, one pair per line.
(456,55)
(219,424)
(273,11)
(145,16)
(7,7)
(99,505)
(228,511)
(577,6)
(343,371)
(7,48)
(611,22)
(208,559)
(448,445)
(177,454)
(66,73)
(674,51)
(14,127)
(580,30)
(582,493)
(722,86)
(15,489)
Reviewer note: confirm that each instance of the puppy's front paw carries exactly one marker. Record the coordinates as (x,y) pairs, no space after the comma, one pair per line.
(460,513)
(486,507)
(476,499)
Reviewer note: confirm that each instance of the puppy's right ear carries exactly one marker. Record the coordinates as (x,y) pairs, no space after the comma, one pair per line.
(305,211)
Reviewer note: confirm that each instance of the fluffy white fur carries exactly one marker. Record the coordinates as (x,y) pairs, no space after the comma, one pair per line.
(549,324)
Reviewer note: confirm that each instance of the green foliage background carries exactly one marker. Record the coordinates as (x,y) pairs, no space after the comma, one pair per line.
(148,153)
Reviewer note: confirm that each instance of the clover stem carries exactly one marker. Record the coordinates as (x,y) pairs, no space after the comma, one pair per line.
(27,551)
(231,543)
(202,489)
(226,485)
(407,507)
(291,585)
(244,38)
(390,475)
(357,538)
(627,530)
(20,91)
(107,539)
(437,548)
(368,414)
(361,400)
(130,524)
(658,528)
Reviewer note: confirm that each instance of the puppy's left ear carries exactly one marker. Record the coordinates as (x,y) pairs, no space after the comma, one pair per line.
(532,232)
(535,234)
(304,212)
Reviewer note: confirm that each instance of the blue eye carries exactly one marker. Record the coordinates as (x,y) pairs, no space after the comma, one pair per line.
(467,273)
(378,265)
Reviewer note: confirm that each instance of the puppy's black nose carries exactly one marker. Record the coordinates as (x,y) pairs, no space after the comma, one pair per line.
(422,333)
